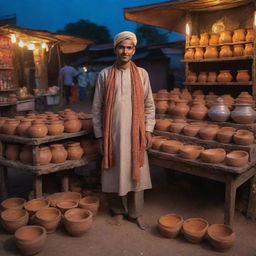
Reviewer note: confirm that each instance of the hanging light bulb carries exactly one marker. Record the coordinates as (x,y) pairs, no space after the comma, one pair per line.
(44,45)
(21,44)
(13,38)
(187,29)
(31,46)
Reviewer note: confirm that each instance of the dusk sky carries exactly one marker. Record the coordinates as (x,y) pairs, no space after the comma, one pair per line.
(55,14)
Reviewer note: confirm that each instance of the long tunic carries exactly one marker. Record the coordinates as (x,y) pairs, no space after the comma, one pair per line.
(119,178)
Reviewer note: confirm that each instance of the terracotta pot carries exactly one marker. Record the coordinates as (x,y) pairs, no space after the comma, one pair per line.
(170,225)
(181,108)
(75,151)
(191,129)
(12,219)
(194,41)
(89,146)
(171,106)
(185,94)
(249,35)
(238,35)
(199,54)
(26,154)
(9,127)
(242,76)
(30,240)
(219,111)
(171,146)
(213,155)
(189,55)
(191,152)
(238,50)
(224,76)
(38,129)
(198,111)
(90,203)
(195,229)
(44,155)
(59,153)
(22,128)
(209,132)
(202,77)
(243,114)
(243,137)
(177,126)
(72,124)
(77,221)
(35,205)
(191,77)
(64,206)
(221,237)
(13,203)
(212,76)
(225,134)
(161,106)
(204,39)
(163,124)
(248,50)
(214,39)
(237,158)
(63,196)
(2,121)
(225,51)
(162,94)
(225,37)
(211,52)
(157,142)
(87,124)
(12,152)
(55,127)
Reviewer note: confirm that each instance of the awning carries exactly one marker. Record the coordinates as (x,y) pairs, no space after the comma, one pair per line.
(171,15)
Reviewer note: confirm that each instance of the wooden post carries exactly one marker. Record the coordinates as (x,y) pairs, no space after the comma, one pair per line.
(64,181)
(37,184)
(251,210)
(3,183)
(35,151)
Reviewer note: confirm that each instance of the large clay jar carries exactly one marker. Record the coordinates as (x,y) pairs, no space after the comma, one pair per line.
(242,76)
(181,109)
(44,155)
(72,124)
(198,111)
(249,35)
(185,94)
(199,54)
(191,77)
(10,126)
(26,154)
(202,77)
(75,151)
(219,111)
(12,152)
(38,129)
(194,41)
(211,78)
(55,127)
(22,128)
(161,106)
(224,76)
(189,55)
(214,40)
(211,52)
(59,153)
(238,35)
(225,51)
(225,37)
(204,39)
(243,114)
(238,50)
(248,50)
(209,132)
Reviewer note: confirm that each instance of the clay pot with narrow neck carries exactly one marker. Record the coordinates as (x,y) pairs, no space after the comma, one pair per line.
(87,124)
(59,153)
(242,76)
(38,129)
(211,78)
(26,154)
(10,126)
(238,50)
(72,124)
(191,77)
(181,108)
(243,114)
(22,128)
(89,146)
(238,35)
(161,106)
(225,37)
(219,111)
(198,111)
(249,35)
(162,94)
(12,152)
(225,51)
(44,155)
(214,40)
(248,50)
(194,41)
(224,76)
(202,77)
(2,121)
(55,127)
(75,151)
(199,54)
(163,124)
(186,95)
(204,39)
(189,55)
(211,52)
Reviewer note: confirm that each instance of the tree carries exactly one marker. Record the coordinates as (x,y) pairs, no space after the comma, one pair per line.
(87,29)
(148,35)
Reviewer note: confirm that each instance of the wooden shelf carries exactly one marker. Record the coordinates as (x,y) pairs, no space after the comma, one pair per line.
(250,57)
(7,68)
(9,90)
(218,45)
(250,83)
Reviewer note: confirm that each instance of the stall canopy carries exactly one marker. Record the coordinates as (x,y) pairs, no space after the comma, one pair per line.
(67,43)
(171,15)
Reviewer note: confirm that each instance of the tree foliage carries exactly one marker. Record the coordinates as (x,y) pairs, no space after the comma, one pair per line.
(87,29)
(148,35)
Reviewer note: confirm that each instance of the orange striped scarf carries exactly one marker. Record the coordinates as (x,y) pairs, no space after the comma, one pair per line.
(138,121)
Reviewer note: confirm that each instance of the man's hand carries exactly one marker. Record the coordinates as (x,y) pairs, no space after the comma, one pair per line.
(148,140)
(100,146)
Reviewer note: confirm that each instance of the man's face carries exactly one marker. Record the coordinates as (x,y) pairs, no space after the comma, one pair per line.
(124,51)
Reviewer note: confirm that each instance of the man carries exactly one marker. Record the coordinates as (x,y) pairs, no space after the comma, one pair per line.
(66,79)
(82,81)
(124,118)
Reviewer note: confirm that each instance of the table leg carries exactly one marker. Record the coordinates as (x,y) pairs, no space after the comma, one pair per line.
(251,210)
(230,198)
(37,184)
(64,181)
(3,182)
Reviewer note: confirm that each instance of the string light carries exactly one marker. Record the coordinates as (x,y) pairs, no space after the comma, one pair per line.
(31,46)
(13,38)
(187,29)
(21,44)
(44,45)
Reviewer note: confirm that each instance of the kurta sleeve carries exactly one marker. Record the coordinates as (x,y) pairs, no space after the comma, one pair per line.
(149,105)
(97,106)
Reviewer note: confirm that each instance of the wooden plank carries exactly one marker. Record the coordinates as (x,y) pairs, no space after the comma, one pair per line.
(219,59)
(37,185)
(64,181)
(251,210)
(199,46)
(250,83)
(3,183)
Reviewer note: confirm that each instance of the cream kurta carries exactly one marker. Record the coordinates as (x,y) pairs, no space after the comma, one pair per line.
(119,178)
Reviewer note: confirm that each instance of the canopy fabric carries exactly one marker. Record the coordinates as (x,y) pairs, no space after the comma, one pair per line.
(171,15)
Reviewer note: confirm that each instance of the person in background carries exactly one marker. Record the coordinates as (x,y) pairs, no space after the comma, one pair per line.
(66,79)
(124,118)
(82,81)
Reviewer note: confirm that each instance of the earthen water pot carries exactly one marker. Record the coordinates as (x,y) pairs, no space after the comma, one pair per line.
(75,151)
(55,127)
(162,94)
(44,155)
(204,39)
(198,111)
(248,50)
(243,114)
(22,128)
(12,152)
(242,76)
(177,125)
(189,55)
(13,203)
(238,35)
(209,132)
(161,106)
(214,39)
(89,146)
(26,154)
(238,50)
(87,124)
(72,124)
(225,134)
(249,35)
(181,108)
(191,77)
(237,158)
(199,54)
(224,76)
(194,41)
(9,127)
(219,111)
(38,129)
(170,225)
(202,77)
(59,153)
(225,37)
(211,78)
(171,106)
(243,137)
(225,51)
(171,146)
(211,52)
(191,129)
(2,121)
(191,152)
(213,155)
(163,124)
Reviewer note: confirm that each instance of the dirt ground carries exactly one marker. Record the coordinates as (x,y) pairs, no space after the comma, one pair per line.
(178,193)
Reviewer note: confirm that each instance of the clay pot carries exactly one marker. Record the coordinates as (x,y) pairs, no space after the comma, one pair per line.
(202,77)
(177,125)
(22,128)
(238,50)
(163,124)
(77,221)
(191,129)
(242,76)
(198,111)
(49,218)
(213,155)
(30,240)
(212,76)
(161,106)
(2,121)
(248,50)
(89,146)
(199,54)
(224,76)
(181,109)
(219,111)
(211,52)
(63,196)
(189,55)
(185,95)
(59,153)
(72,124)
(171,146)
(225,37)
(12,219)
(170,225)
(44,155)
(12,152)
(204,39)
(243,137)
(9,127)
(90,203)
(249,35)
(225,134)
(194,229)
(194,41)
(35,205)
(38,129)
(238,35)
(162,94)
(214,40)
(75,151)
(63,206)
(243,114)
(209,132)
(55,127)
(87,124)
(191,77)
(13,203)
(190,151)
(157,142)
(26,154)
(225,51)
(237,158)
(221,237)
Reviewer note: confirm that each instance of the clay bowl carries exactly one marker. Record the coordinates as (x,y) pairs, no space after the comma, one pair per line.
(63,206)
(237,158)
(213,155)
(77,221)
(190,151)
(13,203)
(163,124)
(12,219)
(177,125)
(194,229)
(171,146)
(191,129)
(30,239)
(90,203)
(157,142)
(170,225)
(49,218)
(221,237)
(225,134)
(209,132)
(243,137)
(63,196)
(35,205)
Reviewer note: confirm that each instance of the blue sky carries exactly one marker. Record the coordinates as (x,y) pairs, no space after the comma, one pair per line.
(54,14)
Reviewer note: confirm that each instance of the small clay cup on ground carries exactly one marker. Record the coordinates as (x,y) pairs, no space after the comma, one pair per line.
(13,203)
(170,225)
(90,203)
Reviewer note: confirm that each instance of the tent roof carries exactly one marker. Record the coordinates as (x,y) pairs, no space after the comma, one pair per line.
(171,15)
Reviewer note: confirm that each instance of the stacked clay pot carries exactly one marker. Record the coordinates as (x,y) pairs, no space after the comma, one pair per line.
(38,129)
(9,127)
(12,152)
(163,124)
(44,155)
(75,151)
(89,146)
(22,128)
(25,155)
(55,127)
(13,203)
(59,153)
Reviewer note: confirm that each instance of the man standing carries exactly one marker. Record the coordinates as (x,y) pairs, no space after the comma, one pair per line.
(124,118)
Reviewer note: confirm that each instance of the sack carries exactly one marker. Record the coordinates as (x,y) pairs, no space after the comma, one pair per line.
(74,94)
